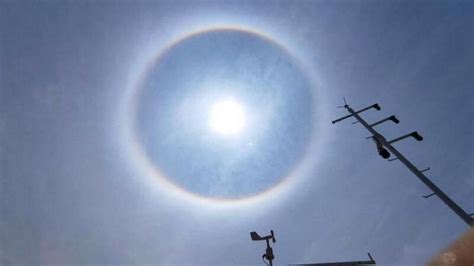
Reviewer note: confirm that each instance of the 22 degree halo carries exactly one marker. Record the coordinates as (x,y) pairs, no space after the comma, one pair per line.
(224,114)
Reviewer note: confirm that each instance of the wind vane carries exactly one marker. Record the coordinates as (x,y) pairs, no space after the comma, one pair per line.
(268,255)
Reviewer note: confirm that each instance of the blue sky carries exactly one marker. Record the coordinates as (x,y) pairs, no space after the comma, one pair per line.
(72,189)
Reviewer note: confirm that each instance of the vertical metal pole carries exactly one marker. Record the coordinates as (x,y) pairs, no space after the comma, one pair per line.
(269,253)
(438,192)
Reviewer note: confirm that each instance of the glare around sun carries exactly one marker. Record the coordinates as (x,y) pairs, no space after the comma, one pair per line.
(227,117)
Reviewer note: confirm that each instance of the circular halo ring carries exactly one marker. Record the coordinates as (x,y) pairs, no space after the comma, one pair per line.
(131,106)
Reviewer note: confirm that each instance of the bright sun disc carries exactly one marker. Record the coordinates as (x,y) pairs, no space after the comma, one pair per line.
(227,117)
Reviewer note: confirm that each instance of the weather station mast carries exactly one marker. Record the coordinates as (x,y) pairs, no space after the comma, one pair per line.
(384,148)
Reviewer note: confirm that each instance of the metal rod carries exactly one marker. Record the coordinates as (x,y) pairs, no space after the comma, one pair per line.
(391,118)
(424,170)
(445,198)
(427,196)
(375,106)
(400,138)
(269,253)
(370,257)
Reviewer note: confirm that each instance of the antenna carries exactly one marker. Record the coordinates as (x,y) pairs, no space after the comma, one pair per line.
(384,148)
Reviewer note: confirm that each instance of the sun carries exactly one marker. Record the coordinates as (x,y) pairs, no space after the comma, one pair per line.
(227,117)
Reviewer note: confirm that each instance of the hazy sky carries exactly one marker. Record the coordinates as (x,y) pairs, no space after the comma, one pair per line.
(87,130)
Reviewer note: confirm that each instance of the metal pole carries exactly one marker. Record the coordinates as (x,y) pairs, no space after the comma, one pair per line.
(437,191)
(269,253)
